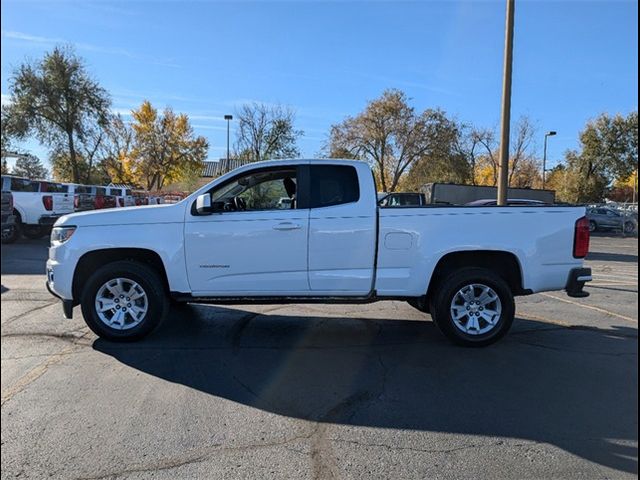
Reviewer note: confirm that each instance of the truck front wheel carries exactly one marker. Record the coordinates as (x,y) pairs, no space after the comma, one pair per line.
(473,307)
(124,301)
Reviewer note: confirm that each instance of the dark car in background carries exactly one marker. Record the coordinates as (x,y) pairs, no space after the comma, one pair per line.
(401,199)
(9,230)
(604,218)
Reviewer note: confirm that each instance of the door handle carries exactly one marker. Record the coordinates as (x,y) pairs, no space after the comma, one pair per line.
(287,226)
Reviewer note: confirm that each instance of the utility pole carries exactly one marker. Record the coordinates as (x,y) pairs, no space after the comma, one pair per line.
(505,113)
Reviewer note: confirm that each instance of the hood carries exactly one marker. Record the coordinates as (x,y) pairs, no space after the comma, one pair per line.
(140,215)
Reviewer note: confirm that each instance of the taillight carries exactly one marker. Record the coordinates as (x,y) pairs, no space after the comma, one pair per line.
(581,238)
(99,203)
(121,202)
(47,201)
(76,201)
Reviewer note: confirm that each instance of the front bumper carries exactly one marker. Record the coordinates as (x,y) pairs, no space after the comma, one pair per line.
(575,283)
(67,305)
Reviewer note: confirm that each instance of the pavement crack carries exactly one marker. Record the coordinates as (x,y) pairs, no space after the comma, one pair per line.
(28,312)
(195,457)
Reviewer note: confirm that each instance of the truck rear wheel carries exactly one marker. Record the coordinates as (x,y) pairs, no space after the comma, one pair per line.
(473,307)
(10,234)
(124,301)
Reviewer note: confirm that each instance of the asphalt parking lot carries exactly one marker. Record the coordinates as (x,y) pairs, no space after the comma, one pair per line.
(313,391)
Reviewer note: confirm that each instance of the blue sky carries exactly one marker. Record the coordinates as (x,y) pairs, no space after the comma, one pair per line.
(572,59)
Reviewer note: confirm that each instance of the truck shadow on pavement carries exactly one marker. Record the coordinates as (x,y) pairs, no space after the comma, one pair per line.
(575,388)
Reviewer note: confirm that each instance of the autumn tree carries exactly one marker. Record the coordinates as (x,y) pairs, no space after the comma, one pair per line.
(57,100)
(29,166)
(117,151)
(166,148)
(524,168)
(445,160)
(266,132)
(389,134)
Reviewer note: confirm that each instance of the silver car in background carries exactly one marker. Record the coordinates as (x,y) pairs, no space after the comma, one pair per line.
(604,218)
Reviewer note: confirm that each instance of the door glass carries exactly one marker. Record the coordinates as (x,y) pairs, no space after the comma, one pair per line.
(333,185)
(256,191)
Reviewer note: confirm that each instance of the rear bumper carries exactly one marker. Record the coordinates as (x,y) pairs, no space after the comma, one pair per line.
(575,283)
(48,220)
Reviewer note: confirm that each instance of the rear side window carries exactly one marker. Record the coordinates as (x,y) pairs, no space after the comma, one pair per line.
(24,185)
(83,189)
(127,192)
(101,191)
(54,188)
(333,185)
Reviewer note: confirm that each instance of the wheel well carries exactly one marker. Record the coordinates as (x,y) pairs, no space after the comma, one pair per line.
(93,260)
(504,264)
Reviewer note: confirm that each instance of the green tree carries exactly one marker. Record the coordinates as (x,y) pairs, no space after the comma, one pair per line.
(266,132)
(608,152)
(57,100)
(30,166)
(166,148)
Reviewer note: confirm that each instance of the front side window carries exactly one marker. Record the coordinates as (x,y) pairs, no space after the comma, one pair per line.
(256,191)
(333,185)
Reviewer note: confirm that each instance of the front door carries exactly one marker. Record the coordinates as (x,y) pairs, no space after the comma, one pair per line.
(257,244)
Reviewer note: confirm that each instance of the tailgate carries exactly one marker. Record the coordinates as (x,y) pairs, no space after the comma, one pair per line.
(62,203)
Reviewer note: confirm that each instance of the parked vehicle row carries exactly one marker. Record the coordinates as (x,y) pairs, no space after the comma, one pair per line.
(31,207)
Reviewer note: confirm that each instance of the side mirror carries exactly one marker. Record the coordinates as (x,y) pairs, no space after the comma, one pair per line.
(203,204)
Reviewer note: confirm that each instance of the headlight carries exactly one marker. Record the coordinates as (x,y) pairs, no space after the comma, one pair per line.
(61,234)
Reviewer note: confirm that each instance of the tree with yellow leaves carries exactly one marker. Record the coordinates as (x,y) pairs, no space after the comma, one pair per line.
(165,147)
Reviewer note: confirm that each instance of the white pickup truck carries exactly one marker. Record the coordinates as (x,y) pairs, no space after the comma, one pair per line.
(37,204)
(235,242)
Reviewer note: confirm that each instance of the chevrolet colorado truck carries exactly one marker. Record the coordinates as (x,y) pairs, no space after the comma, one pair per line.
(234,241)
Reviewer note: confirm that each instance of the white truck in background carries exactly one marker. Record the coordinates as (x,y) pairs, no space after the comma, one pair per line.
(37,204)
(235,242)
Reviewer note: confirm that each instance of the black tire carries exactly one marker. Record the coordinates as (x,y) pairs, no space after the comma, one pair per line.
(33,232)
(629,227)
(10,235)
(593,226)
(151,283)
(442,299)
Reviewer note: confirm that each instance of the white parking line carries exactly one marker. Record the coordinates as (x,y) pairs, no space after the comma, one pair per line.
(591,307)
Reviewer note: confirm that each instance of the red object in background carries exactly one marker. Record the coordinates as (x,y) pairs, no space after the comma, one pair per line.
(76,201)
(99,202)
(47,201)
(581,238)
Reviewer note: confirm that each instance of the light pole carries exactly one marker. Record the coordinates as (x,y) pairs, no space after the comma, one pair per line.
(544,157)
(505,111)
(228,118)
